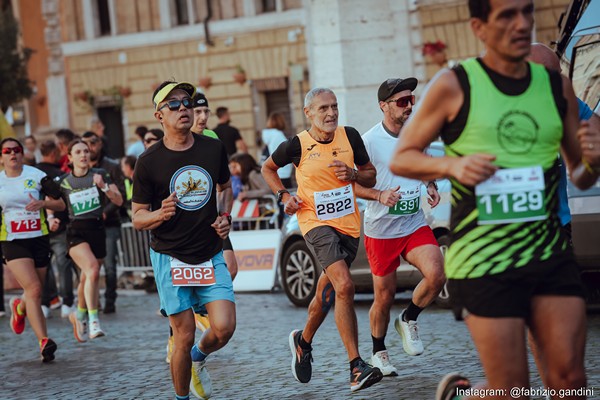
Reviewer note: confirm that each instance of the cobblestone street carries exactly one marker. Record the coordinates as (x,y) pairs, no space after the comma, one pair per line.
(129,363)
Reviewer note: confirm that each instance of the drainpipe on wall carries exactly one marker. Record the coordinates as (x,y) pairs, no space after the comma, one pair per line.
(206,30)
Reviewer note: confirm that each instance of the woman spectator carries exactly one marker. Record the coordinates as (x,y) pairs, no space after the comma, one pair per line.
(152,136)
(272,137)
(245,167)
(24,192)
(85,191)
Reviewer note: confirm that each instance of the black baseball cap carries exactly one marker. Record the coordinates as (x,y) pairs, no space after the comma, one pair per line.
(394,85)
(200,100)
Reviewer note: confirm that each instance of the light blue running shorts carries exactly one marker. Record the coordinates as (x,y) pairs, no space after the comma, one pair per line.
(175,299)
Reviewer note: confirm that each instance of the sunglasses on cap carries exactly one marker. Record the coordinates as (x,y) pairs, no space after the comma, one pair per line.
(403,101)
(10,150)
(175,104)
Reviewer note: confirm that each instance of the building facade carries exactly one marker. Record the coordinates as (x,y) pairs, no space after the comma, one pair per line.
(105,57)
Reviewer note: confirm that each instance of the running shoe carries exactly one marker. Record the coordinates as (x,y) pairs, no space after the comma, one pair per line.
(55,303)
(381,360)
(363,375)
(95,330)
(65,311)
(47,349)
(448,388)
(200,384)
(202,322)
(301,358)
(17,322)
(79,328)
(46,312)
(170,345)
(2,314)
(410,335)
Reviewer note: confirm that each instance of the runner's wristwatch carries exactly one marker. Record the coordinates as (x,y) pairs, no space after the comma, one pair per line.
(227,215)
(280,194)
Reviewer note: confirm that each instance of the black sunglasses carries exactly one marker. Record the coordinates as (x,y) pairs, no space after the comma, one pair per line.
(150,140)
(403,101)
(175,104)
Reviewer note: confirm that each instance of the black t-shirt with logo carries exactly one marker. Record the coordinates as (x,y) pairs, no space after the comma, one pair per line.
(193,174)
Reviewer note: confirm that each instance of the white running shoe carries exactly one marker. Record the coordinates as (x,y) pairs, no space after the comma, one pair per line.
(46,311)
(65,310)
(410,335)
(95,330)
(200,384)
(381,360)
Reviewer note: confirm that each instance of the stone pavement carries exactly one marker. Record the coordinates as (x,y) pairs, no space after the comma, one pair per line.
(129,363)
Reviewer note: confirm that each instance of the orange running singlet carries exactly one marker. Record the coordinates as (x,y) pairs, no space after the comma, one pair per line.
(321,203)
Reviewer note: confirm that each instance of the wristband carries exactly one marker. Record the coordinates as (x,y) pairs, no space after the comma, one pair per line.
(354,176)
(379,197)
(105,189)
(228,216)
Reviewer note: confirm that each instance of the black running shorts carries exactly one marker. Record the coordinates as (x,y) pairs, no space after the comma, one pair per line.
(328,245)
(509,293)
(88,231)
(38,249)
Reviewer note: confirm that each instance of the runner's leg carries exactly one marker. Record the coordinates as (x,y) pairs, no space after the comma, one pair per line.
(24,271)
(83,256)
(558,326)
(379,315)
(500,343)
(181,362)
(221,314)
(429,260)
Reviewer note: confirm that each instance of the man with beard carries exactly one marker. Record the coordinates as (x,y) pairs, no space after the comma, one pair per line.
(112,217)
(395,226)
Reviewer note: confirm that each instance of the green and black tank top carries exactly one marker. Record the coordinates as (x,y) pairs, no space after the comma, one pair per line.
(522,130)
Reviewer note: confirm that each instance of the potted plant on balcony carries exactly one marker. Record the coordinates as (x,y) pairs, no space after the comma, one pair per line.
(240,75)
(205,82)
(435,52)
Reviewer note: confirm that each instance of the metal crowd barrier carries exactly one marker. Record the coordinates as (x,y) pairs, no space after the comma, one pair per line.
(255,214)
(134,249)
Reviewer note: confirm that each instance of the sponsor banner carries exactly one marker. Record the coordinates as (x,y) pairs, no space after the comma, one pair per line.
(257,254)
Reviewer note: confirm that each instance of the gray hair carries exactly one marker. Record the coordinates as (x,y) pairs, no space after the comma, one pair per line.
(314,93)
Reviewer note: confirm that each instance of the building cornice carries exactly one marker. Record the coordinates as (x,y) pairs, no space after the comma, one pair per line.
(285,19)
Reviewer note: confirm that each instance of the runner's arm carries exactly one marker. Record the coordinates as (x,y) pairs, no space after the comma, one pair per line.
(581,176)
(367,175)
(225,197)
(144,219)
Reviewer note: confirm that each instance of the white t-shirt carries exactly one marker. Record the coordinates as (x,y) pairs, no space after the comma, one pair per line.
(272,138)
(14,196)
(407,216)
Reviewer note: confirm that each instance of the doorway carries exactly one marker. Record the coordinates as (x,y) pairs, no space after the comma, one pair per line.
(112,118)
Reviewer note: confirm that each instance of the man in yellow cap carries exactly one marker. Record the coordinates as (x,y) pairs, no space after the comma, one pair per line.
(175,195)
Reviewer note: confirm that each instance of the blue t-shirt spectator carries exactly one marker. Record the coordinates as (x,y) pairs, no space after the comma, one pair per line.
(564,213)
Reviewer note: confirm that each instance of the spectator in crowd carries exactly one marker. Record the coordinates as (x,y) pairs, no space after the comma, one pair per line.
(111,215)
(63,138)
(229,135)
(127,168)
(32,153)
(245,167)
(57,222)
(272,137)
(138,148)
(153,136)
